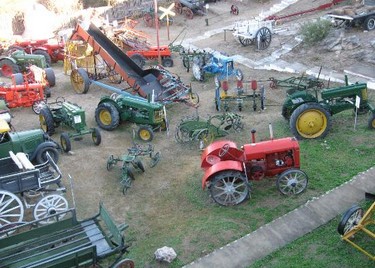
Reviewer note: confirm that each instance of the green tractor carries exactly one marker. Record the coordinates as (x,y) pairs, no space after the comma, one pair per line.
(149,116)
(309,111)
(70,115)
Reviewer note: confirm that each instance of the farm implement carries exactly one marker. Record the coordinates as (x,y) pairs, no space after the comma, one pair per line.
(254,32)
(158,82)
(70,115)
(25,186)
(356,227)
(195,130)
(294,84)
(189,8)
(131,161)
(228,168)
(309,111)
(68,242)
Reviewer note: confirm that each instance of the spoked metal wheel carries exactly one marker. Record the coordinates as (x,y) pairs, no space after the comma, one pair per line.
(229,188)
(80,81)
(292,181)
(49,206)
(38,106)
(350,219)
(263,38)
(11,210)
(245,41)
(182,134)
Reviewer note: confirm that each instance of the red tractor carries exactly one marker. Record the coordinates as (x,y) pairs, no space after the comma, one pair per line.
(228,169)
(52,50)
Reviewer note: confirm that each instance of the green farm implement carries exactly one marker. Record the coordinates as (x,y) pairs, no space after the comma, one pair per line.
(294,84)
(204,131)
(64,113)
(131,161)
(309,111)
(66,243)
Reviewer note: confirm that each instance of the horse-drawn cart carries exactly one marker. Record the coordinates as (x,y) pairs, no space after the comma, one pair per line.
(254,32)
(23,185)
(66,243)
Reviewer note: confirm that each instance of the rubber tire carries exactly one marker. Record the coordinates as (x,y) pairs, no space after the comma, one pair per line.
(113,112)
(149,131)
(138,59)
(167,62)
(50,76)
(80,72)
(96,136)
(66,145)
(40,156)
(47,92)
(304,108)
(45,54)
(369,20)
(7,62)
(345,218)
(18,79)
(48,119)
(371,121)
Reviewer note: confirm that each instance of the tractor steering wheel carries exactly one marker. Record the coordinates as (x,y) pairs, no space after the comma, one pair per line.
(224,150)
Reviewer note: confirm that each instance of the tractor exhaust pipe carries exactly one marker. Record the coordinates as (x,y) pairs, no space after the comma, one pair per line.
(271,131)
(253,135)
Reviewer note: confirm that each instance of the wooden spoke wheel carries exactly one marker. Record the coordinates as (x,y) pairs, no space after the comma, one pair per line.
(11,210)
(350,219)
(188,13)
(178,7)
(245,41)
(49,206)
(263,38)
(149,20)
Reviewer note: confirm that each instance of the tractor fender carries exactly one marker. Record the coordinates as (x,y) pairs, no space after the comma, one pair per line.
(42,146)
(107,99)
(218,167)
(8,58)
(210,155)
(294,100)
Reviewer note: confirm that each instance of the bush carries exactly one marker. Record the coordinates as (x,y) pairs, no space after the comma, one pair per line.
(313,32)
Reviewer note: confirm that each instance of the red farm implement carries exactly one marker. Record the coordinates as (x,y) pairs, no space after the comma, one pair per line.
(228,168)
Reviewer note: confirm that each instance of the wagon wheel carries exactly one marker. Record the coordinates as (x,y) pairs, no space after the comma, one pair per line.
(350,219)
(188,13)
(369,23)
(49,206)
(11,209)
(38,106)
(310,121)
(155,160)
(292,181)
(229,188)
(182,134)
(234,10)
(80,81)
(149,20)
(178,7)
(263,38)
(125,263)
(245,41)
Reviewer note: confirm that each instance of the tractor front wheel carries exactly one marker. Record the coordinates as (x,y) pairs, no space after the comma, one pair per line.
(107,116)
(50,76)
(8,67)
(46,120)
(66,145)
(145,133)
(38,106)
(371,121)
(350,219)
(292,181)
(96,136)
(310,121)
(80,81)
(229,188)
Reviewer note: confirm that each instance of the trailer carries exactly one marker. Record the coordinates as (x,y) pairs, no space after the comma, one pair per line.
(254,32)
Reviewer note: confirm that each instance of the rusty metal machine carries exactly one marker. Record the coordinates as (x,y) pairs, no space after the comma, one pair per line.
(190,7)
(228,169)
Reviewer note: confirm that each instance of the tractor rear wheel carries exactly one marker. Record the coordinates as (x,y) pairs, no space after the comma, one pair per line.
(80,81)
(371,121)
(107,116)
(96,136)
(145,133)
(66,145)
(229,188)
(46,121)
(50,76)
(138,59)
(44,54)
(292,181)
(350,219)
(310,121)
(8,67)
(167,62)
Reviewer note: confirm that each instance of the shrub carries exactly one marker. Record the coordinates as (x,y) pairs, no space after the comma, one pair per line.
(313,32)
